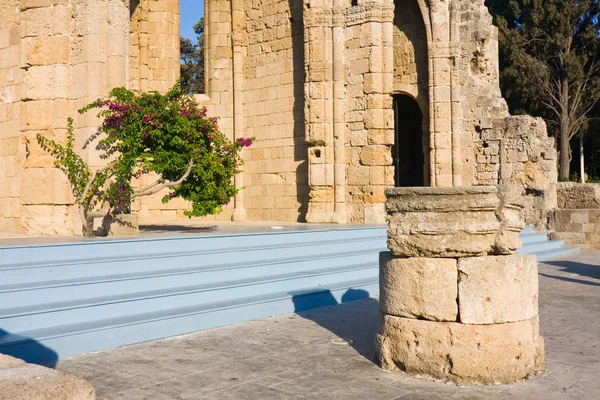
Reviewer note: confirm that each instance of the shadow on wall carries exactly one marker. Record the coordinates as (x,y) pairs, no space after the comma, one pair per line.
(27,349)
(357,322)
(300,146)
(578,269)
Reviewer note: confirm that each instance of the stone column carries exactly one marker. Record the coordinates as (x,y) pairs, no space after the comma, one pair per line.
(456,303)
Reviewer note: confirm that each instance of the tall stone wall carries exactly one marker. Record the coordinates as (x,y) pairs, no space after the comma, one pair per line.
(11,80)
(276,173)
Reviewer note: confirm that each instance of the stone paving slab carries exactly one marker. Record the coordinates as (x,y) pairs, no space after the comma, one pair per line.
(295,357)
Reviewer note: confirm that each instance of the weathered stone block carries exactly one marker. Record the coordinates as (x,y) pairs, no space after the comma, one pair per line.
(464,354)
(454,221)
(22,381)
(497,289)
(578,196)
(418,287)
(125,225)
(442,222)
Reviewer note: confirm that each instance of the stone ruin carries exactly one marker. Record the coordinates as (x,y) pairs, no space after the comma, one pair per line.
(456,303)
(345,98)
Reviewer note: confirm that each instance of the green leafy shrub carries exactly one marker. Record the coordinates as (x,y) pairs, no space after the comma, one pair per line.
(142,133)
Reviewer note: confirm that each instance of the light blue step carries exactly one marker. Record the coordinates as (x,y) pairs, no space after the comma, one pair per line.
(533,238)
(28,294)
(555,253)
(88,310)
(105,249)
(541,247)
(111,333)
(111,265)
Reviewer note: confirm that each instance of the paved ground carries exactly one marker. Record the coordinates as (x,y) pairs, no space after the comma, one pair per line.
(295,357)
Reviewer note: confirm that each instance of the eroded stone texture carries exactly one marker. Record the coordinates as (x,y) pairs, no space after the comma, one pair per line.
(510,215)
(22,381)
(497,289)
(454,222)
(418,287)
(578,196)
(464,354)
(516,150)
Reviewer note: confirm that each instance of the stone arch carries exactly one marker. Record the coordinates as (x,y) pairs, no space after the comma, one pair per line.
(411,35)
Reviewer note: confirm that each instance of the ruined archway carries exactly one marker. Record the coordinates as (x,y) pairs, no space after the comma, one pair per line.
(411,112)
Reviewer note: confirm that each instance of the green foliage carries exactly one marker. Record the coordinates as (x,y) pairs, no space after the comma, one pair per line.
(168,135)
(76,169)
(192,61)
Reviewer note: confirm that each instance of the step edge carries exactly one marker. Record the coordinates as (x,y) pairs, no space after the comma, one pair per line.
(240,302)
(35,310)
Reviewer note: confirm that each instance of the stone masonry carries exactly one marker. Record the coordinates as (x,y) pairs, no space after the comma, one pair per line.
(313,81)
(456,303)
(577,217)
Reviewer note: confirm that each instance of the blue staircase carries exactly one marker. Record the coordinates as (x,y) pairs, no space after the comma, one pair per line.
(541,246)
(71,298)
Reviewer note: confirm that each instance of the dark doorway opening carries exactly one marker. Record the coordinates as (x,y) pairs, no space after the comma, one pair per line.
(407,151)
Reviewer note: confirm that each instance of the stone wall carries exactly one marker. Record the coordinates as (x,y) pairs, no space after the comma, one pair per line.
(313,82)
(275,168)
(11,84)
(577,218)
(518,151)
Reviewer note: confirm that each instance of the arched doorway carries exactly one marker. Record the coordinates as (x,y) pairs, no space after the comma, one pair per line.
(407,152)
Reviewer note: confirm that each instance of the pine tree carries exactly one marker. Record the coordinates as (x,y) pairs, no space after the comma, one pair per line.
(192,61)
(549,62)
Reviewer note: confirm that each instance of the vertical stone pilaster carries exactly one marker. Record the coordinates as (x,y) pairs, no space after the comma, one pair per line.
(239,46)
(339,93)
(441,64)
(319,109)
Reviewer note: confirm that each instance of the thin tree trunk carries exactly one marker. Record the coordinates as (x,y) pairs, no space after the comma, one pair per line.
(565,124)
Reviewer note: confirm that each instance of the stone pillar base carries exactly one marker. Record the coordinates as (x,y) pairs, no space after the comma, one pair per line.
(464,354)
(456,303)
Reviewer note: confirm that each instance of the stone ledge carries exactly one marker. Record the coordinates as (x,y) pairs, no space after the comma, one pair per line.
(454,222)
(22,381)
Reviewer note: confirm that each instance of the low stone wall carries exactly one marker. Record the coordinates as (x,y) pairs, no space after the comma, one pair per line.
(22,381)
(456,303)
(577,218)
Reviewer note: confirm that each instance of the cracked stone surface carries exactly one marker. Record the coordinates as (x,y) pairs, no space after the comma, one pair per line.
(292,356)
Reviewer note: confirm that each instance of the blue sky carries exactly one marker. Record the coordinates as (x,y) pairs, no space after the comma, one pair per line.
(191,12)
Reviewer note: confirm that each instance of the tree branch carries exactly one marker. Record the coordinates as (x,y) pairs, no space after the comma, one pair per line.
(156,187)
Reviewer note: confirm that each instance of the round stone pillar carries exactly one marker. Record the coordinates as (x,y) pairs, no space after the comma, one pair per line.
(456,303)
